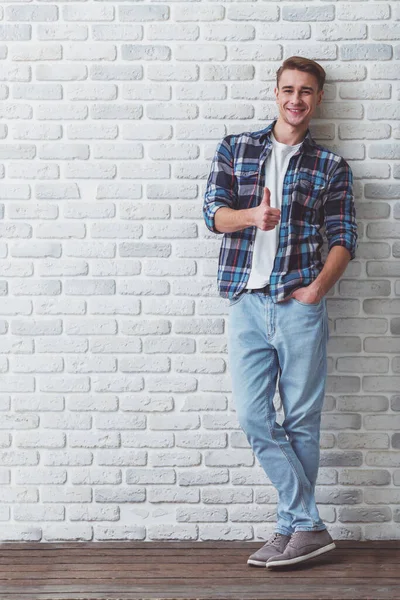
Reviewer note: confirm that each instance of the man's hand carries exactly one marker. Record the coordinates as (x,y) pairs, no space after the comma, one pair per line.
(264,217)
(311,294)
(335,265)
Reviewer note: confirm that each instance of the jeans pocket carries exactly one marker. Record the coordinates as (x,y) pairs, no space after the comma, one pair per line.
(236,300)
(308,303)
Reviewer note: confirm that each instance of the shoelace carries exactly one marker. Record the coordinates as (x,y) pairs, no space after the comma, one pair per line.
(295,535)
(273,539)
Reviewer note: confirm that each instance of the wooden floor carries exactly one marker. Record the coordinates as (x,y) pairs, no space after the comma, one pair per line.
(172,570)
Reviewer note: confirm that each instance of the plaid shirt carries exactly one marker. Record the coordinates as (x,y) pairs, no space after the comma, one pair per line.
(317,194)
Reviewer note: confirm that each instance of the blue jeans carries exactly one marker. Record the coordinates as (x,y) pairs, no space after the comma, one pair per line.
(287,338)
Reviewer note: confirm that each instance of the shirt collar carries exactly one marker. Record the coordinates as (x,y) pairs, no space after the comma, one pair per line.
(266,136)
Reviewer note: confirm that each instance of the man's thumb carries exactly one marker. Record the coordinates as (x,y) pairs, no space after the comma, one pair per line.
(267,196)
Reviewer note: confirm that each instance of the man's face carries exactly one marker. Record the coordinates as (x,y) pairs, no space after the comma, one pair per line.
(297,97)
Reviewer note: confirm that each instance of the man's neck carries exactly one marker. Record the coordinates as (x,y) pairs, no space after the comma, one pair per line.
(286,134)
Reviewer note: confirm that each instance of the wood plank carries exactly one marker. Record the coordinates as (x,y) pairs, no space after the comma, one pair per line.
(76,553)
(357,563)
(365,592)
(271,578)
(75,572)
(237,559)
(93,546)
(372,593)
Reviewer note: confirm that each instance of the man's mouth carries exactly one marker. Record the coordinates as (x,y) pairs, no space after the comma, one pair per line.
(296,111)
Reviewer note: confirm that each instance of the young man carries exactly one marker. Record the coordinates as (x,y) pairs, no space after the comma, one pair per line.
(271,192)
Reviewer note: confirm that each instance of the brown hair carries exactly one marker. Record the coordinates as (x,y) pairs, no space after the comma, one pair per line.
(303,64)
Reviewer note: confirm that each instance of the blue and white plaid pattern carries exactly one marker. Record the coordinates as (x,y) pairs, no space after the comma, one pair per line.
(317,196)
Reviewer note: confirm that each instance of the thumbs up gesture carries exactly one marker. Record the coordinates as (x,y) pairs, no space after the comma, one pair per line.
(265,217)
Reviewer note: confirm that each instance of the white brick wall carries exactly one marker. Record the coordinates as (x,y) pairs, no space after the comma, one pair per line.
(116,416)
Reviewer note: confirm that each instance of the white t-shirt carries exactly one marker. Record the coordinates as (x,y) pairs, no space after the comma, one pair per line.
(266,242)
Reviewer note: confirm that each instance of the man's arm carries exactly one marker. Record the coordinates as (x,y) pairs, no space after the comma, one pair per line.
(334,267)
(220,210)
(262,216)
(341,231)
(220,189)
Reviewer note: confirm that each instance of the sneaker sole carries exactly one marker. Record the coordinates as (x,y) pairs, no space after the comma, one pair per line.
(298,559)
(256,563)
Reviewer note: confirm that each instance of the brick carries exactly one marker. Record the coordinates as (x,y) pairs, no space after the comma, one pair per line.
(342,384)
(387,496)
(384,71)
(370,91)
(383,151)
(387,31)
(381,384)
(359,325)
(171,31)
(340,421)
(173,532)
(382,532)
(143,13)
(354,12)
(396,440)
(382,307)
(380,344)
(362,403)
(283,31)
(366,52)
(117,32)
(204,13)
(198,440)
(116,72)
(341,459)
(366,131)
(31,13)
(10,33)
(383,459)
(383,269)
(255,52)
(346,31)
(308,13)
(364,477)
(395,326)
(228,72)
(230,33)
(342,307)
(365,515)
(383,110)
(225,533)
(143,52)
(364,288)
(200,52)
(351,364)
(333,496)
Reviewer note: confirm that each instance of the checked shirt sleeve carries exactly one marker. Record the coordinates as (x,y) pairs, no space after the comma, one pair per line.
(220,190)
(339,209)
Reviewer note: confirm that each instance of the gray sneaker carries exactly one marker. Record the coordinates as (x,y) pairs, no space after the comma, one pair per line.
(303,545)
(275,545)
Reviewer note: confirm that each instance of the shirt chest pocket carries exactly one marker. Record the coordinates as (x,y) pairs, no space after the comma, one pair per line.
(308,191)
(246,183)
